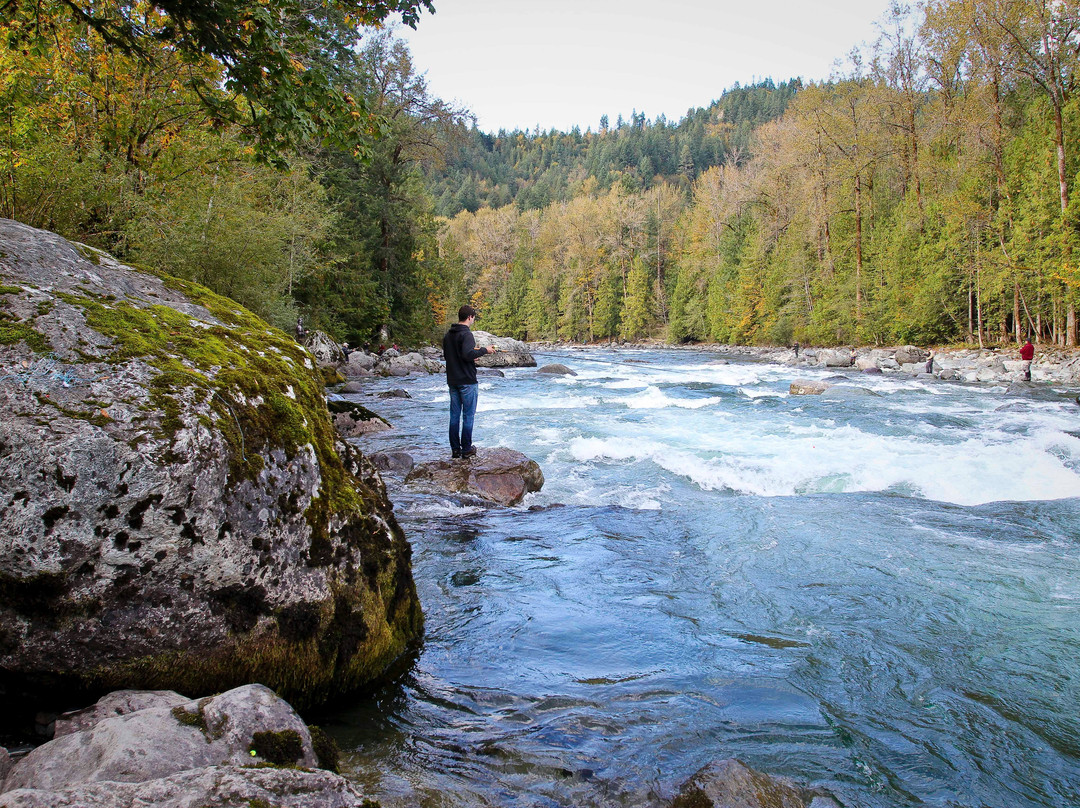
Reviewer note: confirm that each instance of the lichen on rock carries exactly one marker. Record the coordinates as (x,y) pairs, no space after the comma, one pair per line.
(176,511)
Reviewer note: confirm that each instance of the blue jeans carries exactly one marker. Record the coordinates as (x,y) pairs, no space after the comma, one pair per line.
(462,413)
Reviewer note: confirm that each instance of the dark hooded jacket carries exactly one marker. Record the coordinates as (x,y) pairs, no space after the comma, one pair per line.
(460,352)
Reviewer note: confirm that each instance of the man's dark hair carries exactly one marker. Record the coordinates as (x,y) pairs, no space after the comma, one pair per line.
(465,312)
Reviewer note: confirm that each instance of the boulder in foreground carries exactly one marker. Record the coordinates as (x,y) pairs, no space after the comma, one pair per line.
(176,752)
(499,475)
(175,512)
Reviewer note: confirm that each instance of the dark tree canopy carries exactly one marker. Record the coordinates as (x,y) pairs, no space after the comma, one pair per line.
(285,62)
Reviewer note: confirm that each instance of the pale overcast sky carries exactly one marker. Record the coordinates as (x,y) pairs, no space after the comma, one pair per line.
(560,63)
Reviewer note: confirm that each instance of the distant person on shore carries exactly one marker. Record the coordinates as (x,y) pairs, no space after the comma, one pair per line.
(796,350)
(461,353)
(1027,353)
(300,332)
(930,363)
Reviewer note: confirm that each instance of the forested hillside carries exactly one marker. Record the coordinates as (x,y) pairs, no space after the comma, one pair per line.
(534,169)
(929,195)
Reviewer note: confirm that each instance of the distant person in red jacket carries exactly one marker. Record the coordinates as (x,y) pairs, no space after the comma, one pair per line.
(1027,353)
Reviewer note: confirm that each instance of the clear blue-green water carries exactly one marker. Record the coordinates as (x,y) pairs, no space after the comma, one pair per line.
(878,595)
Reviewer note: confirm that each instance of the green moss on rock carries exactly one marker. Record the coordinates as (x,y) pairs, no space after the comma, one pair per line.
(13,332)
(327,751)
(282,748)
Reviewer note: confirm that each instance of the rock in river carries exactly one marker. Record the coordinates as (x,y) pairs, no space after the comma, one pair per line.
(732,784)
(172,752)
(808,387)
(175,511)
(499,475)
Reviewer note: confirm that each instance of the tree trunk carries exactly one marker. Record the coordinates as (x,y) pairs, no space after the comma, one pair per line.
(858,249)
(1016,311)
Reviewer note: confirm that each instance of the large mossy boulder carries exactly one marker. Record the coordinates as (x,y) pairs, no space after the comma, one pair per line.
(175,512)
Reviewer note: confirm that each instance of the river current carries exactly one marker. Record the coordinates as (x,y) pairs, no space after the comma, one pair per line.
(877,594)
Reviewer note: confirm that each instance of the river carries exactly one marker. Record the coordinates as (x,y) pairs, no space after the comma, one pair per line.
(878,595)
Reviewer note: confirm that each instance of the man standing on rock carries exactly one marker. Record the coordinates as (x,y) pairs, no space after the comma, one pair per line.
(1027,353)
(461,353)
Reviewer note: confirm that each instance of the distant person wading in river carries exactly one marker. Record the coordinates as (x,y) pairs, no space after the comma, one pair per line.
(1027,353)
(461,353)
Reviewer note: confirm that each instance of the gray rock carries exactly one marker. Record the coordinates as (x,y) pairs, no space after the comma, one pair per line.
(351,420)
(225,786)
(352,387)
(808,387)
(499,475)
(119,702)
(835,358)
(846,393)
(493,372)
(397,392)
(732,784)
(196,752)
(406,364)
(511,353)
(909,354)
(161,741)
(324,348)
(398,462)
(174,508)
(362,360)
(872,370)
(556,369)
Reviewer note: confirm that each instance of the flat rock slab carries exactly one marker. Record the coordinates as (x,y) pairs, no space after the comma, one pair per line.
(503,476)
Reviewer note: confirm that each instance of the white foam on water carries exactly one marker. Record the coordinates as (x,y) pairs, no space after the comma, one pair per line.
(441,508)
(752,393)
(653,398)
(828,459)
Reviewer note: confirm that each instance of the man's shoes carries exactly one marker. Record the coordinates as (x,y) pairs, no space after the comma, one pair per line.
(455,454)
(468,452)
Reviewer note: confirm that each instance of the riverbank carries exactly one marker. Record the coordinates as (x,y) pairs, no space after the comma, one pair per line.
(1052,365)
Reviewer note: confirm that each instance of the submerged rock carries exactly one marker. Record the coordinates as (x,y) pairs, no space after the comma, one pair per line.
(398,462)
(182,753)
(847,392)
(556,369)
(503,476)
(732,784)
(175,511)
